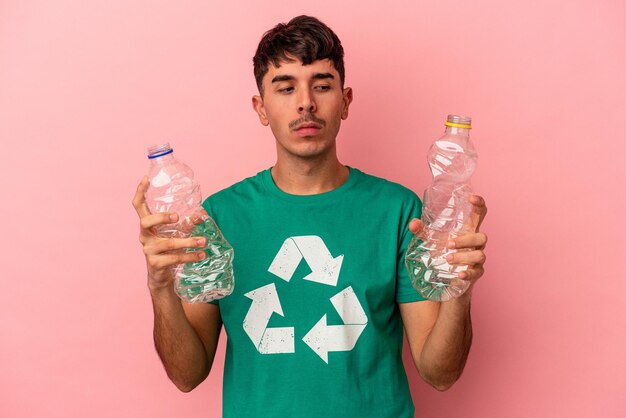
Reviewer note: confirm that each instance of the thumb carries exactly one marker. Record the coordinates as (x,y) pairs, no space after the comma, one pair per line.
(415,226)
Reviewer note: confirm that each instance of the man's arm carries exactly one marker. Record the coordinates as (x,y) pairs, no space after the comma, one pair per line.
(439,336)
(440,333)
(185,335)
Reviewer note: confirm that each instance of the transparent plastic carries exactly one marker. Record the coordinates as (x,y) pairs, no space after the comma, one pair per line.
(446,214)
(173,189)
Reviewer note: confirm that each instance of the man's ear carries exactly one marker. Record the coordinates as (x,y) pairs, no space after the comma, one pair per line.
(259,108)
(347,99)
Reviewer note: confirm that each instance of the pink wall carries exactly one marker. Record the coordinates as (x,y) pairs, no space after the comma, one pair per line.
(86,86)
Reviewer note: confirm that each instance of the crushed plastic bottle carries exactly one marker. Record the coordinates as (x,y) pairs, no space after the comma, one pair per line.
(446,213)
(173,189)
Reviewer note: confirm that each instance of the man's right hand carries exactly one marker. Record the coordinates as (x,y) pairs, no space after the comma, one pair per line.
(162,253)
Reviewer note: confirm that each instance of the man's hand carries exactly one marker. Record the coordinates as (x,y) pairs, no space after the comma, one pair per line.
(162,253)
(471,245)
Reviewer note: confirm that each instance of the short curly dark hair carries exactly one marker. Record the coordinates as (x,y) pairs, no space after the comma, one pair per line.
(305,38)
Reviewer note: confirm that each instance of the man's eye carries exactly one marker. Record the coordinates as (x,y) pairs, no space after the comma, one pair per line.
(285,90)
(322,87)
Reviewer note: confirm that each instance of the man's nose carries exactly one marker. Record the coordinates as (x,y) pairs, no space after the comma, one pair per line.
(306,104)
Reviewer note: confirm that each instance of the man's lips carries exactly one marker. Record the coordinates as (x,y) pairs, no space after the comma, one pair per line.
(308,125)
(308,128)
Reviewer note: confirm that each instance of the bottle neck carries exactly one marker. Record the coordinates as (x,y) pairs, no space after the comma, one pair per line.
(163,159)
(452,130)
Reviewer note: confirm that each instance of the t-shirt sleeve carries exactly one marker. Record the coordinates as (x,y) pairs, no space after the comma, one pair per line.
(405,292)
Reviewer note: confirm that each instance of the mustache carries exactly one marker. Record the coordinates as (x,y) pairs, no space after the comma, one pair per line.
(307,117)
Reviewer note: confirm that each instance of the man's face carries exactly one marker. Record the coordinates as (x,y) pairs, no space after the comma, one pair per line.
(304,106)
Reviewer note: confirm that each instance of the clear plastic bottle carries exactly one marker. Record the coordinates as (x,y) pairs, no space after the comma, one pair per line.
(446,213)
(173,189)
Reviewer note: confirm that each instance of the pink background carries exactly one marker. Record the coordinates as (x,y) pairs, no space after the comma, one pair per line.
(85,87)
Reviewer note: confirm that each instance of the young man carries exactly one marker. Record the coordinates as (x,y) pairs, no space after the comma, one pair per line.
(315,323)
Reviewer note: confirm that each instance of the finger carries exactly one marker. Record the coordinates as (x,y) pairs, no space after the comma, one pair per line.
(472,274)
(162,261)
(150,221)
(472,240)
(467,258)
(416,226)
(479,211)
(173,244)
(139,201)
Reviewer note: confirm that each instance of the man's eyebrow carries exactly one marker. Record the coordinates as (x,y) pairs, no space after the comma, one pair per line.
(284,77)
(287,77)
(322,76)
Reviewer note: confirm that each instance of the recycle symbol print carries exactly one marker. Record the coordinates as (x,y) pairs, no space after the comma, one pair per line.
(322,338)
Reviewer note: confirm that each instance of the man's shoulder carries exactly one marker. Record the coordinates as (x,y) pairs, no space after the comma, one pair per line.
(246,187)
(386,188)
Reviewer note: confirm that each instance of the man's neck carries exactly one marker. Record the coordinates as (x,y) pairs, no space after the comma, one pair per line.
(302,177)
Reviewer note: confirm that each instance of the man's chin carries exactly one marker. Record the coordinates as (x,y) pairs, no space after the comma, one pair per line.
(311,152)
